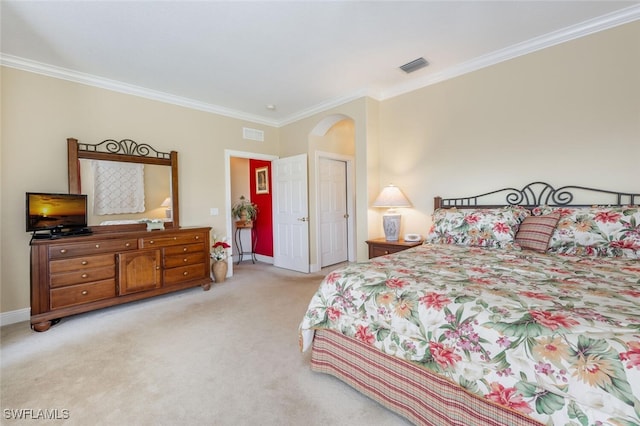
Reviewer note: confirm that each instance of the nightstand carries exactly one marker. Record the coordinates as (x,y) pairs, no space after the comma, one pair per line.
(380,246)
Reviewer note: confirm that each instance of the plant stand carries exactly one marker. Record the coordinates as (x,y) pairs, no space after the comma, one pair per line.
(240,226)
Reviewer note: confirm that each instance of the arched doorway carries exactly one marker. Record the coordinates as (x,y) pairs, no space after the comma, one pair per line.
(332,186)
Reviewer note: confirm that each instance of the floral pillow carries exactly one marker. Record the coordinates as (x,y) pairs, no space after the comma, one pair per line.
(477,227)
(596,231)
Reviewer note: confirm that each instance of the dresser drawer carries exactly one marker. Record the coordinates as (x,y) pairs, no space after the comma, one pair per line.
(183,259)
(82,293)
(80,263)
(61,251)
(163,241)
(82,276)
(384,250)
(182,249)
(382,247)
(184,273)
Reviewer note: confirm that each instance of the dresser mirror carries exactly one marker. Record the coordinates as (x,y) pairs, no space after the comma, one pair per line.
(158,183)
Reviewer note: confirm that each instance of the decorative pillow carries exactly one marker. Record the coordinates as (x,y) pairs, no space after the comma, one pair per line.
(596,231)
(477,227)
(535,231)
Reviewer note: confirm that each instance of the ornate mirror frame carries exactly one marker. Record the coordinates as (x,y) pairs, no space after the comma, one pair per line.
(129,151)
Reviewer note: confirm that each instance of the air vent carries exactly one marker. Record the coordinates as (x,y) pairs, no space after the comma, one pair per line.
(414,65)
(253,134)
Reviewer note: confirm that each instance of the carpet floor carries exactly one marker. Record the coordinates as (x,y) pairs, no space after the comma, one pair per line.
(228,356)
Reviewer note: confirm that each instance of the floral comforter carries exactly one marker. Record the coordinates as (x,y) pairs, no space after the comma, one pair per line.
(556,337)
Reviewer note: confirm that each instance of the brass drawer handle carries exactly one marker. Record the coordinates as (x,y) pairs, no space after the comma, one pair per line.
(185,260)
(185,273)
(386,252)
(84,275)
(84,262)
(127,245)
(97,245)
(63,251)
(175,238)
(197,237)
(85,292)
(184,249)
(151,242)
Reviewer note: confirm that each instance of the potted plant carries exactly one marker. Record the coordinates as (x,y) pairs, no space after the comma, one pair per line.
(245,212)
(219,255)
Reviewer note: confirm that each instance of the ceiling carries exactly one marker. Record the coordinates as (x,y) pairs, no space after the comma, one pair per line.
(237,57)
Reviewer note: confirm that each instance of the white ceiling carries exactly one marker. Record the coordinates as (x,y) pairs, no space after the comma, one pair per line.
(236,57)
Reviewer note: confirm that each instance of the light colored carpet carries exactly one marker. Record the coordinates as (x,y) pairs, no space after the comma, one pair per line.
(228,356)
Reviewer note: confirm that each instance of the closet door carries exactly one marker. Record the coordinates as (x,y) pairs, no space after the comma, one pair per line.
(332,207)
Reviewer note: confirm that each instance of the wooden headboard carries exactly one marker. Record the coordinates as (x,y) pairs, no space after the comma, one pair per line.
(540,193)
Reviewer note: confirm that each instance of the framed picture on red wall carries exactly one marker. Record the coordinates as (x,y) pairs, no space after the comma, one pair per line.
(262,180)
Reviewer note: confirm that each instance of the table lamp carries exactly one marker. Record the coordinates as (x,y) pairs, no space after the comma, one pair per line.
(392,198)
(167,203)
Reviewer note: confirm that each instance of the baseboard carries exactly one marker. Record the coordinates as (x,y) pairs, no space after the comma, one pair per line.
(265,259)
(13,317)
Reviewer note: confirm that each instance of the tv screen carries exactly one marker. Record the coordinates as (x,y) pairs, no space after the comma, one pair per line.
(55,211)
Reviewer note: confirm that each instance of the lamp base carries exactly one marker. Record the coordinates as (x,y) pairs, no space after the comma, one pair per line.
(391,225)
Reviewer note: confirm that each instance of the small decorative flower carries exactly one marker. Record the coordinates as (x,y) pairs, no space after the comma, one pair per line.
(219,250)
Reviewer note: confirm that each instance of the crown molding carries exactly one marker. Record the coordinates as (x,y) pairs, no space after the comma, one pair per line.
(573,32)
(601,23)
(129,89)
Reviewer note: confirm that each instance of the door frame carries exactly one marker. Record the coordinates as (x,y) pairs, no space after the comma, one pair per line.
(228,153)
(351,205)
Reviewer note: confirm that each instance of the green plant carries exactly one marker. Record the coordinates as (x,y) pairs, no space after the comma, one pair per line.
(244,209)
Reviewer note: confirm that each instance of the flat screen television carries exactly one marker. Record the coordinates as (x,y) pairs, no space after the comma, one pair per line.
(56,212)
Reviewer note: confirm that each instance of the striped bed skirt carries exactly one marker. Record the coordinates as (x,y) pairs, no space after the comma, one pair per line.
(404,387)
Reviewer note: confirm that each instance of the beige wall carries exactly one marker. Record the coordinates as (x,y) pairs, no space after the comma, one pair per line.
(38,115)
(569,114)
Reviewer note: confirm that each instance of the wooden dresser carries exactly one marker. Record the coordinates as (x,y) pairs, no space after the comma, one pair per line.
(71,275)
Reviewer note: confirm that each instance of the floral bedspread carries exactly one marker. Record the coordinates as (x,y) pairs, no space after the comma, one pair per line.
(556,337)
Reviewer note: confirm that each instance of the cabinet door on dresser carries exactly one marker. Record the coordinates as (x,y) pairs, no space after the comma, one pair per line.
(138,271)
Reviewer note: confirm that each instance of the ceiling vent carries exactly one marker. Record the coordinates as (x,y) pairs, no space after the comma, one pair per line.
(253,134)
(414,65)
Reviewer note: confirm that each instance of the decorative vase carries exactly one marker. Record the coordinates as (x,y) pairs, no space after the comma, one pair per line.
(219,269)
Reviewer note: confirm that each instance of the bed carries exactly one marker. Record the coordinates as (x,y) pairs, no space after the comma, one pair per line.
(524,312)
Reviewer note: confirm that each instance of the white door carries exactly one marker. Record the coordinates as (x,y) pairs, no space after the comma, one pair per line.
(333,218)
(290,213)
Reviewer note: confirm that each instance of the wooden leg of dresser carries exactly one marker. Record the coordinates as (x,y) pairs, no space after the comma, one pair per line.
(41,326)
(206,286)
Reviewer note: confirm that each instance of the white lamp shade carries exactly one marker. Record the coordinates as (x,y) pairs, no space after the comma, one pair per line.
(390,197)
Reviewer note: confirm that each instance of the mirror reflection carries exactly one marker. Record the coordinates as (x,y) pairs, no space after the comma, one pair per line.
(124,201)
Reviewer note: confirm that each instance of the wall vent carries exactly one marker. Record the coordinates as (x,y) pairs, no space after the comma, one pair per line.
(252,134)
(414,65)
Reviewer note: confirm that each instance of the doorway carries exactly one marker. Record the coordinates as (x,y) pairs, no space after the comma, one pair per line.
(242,179)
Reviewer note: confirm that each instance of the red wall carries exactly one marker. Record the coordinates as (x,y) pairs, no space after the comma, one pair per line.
(263,224)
